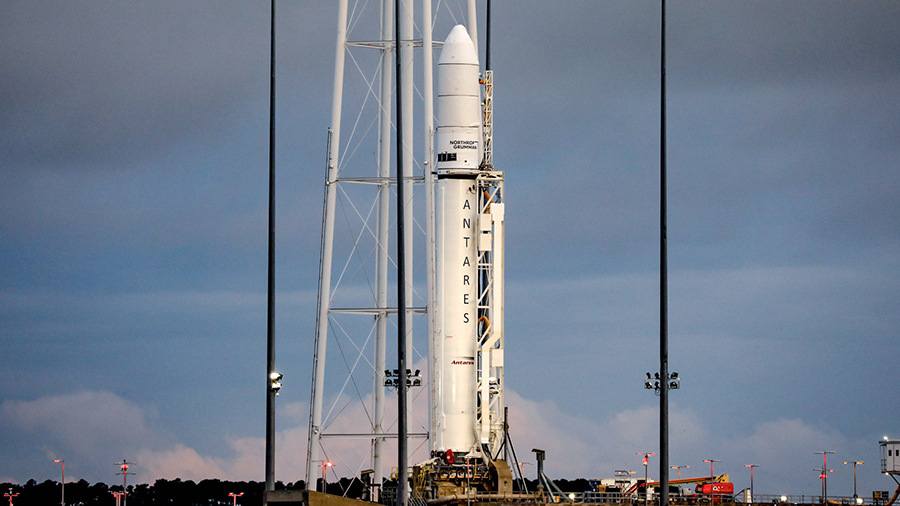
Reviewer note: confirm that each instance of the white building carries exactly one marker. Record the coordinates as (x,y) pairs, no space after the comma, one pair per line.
(890,456)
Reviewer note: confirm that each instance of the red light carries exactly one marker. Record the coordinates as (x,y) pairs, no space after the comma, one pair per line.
(329,464)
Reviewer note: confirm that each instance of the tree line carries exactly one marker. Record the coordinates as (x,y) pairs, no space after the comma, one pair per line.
(189,493)
(161,493)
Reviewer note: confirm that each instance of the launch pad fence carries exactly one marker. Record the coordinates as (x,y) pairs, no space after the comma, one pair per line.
(389,498)
(814,499)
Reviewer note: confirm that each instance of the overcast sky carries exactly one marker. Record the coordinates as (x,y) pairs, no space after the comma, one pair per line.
(133,212)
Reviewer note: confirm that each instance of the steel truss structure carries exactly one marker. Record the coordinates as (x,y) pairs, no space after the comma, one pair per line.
(352,390)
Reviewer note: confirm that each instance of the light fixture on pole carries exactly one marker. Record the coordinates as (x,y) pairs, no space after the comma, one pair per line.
(522,467)
(751,466)
(656,382)
(125,466)
(63,485)
(823,475)
(646,474)
(712,475)
(10,495)
(325,465)
(235,496)
(679,470)
(275,382)
(855,463)
(825,472)
(711,463)
(624,474)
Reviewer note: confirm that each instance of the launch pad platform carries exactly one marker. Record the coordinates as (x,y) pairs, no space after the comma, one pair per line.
(311,498)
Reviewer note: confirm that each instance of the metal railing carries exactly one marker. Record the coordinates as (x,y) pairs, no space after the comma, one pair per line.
(813,499)
(389,498)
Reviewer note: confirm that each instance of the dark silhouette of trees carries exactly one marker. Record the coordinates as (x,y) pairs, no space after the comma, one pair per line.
(162,493)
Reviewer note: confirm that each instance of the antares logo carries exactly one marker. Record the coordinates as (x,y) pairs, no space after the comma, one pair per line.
(462,362)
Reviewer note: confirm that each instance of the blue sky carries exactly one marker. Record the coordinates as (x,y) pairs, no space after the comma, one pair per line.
(133,233)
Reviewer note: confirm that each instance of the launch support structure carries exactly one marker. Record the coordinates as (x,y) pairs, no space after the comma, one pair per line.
(465,253)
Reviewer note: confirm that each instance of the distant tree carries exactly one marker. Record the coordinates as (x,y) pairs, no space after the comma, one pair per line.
(140,495)
(77,493)
(175,492)
(98,495)
(39,494)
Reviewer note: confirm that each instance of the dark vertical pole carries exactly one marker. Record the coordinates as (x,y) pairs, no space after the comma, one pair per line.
(487,38)
(663,281)
(401,282)
(270,323)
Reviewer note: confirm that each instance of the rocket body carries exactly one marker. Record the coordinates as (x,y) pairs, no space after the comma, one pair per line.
(458,148)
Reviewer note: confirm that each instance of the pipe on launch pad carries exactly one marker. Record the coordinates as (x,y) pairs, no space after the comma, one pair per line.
(894,498)
(483,497)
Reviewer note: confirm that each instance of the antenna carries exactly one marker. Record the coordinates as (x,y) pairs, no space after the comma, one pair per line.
(124,466)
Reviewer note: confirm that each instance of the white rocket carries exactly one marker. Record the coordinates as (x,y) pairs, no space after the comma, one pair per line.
(458,149)
(460,421)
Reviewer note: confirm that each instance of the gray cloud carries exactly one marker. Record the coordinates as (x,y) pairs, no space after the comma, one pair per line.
(102,84)
(133,210)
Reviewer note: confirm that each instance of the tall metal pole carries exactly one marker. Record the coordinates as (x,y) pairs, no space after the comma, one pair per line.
(646,482)
(824,474)
(407,89)
(663,281)
(646,463)
(63,499)
(854,475)
(270,321)
(428,125)
(401,280)
(318,384)
(124,466)
(751,466)
(382,255)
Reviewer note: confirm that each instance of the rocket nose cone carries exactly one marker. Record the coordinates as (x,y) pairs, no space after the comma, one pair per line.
(458,48)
